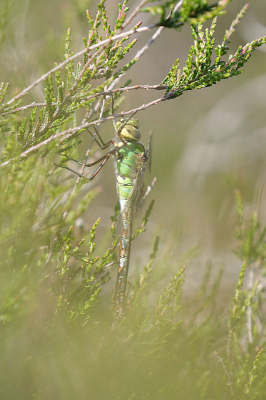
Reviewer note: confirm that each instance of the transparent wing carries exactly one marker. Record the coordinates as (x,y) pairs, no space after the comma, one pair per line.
(148,154)
(138,190)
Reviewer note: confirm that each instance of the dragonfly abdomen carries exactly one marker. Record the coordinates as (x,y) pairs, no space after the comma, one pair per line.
(125,247)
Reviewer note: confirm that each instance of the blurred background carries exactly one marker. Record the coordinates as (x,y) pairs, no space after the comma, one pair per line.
(206,143)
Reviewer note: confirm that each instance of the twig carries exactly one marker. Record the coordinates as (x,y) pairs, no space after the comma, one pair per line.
(149,188)
(68,95)
(104,43)
(250,285)
(71,131)
(147,45)
(226,372)
(104,93)
(134,13)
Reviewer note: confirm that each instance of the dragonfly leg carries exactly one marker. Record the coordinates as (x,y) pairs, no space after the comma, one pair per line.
(72,170)
(103,145)
(86,165)
(103,161)
(100,142)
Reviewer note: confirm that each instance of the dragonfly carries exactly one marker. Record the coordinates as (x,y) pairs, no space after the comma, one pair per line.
(131,161)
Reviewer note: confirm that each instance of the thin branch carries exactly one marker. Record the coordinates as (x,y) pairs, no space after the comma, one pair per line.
(104,43)
(147,45)
(149,189)
(71,131)
(134,13)
(104,93)
(227,374)
(250,286)
(140,53)
(23,108)
(70,92)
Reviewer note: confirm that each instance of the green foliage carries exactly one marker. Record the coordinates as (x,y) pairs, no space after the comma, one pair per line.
(200,70)
(145,219)
(57,267)
(72,90)
(169,349)
(192,11)
(250,237)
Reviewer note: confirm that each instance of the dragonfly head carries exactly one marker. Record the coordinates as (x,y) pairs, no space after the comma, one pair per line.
(128,129)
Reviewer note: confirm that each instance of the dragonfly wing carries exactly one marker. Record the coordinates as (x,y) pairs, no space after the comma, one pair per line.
(148,154)
(137,191)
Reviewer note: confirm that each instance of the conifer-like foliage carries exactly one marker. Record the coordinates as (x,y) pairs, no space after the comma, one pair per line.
(58,337)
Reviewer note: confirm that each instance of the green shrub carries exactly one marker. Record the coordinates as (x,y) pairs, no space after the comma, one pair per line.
(58,336)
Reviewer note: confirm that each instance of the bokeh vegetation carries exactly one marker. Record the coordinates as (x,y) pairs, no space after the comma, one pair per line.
(58,261)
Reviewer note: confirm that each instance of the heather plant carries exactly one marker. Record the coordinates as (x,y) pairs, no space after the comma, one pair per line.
(58,336)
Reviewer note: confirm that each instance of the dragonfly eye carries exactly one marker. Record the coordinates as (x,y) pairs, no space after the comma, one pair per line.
(125,121)
(130,132)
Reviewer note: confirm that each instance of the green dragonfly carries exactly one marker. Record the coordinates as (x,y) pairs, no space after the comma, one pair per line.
(131,161)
